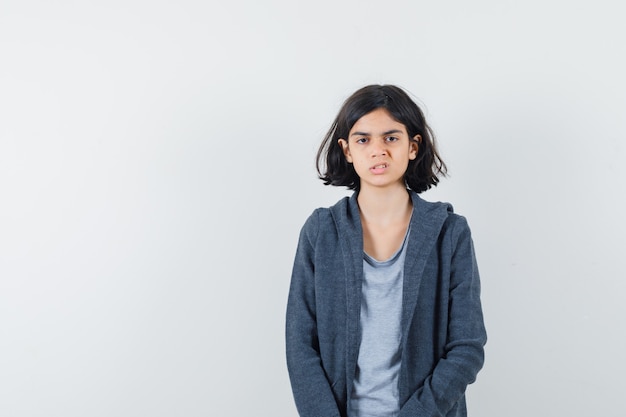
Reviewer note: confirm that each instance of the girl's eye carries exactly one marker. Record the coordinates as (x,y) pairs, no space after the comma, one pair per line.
(391,138)
(361,140)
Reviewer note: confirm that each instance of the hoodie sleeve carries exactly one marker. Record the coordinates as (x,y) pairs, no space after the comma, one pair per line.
(466,336)
(311,390)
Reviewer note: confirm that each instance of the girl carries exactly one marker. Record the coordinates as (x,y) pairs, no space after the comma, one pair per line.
(384,315)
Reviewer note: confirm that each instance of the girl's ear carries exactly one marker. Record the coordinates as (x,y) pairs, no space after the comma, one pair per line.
(346,149)
(414,146)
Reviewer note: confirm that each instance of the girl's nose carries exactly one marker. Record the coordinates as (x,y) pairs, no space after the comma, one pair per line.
(379,150)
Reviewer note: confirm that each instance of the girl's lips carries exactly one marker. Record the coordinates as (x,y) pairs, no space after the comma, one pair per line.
(378,169)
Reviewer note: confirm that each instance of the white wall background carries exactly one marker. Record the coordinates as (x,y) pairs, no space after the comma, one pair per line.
(156,164)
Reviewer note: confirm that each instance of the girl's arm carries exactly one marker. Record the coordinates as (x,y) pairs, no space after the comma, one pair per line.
(311,389)
(464,353)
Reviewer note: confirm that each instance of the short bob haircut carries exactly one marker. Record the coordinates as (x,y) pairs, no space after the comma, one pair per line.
(422,173)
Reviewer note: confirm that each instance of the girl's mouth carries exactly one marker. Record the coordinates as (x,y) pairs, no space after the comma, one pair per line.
(378,169)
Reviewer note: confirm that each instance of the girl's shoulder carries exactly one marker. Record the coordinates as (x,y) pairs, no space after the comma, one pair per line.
(441,214)
(329,220)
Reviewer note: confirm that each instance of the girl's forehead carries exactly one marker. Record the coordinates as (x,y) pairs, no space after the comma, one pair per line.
(379,119)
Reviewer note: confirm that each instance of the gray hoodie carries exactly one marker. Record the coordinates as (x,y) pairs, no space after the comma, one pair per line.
(443,333)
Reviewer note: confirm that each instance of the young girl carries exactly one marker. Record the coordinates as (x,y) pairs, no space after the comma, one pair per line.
(384,315)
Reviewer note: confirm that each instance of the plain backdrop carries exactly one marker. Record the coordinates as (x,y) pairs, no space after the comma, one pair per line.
(157,163)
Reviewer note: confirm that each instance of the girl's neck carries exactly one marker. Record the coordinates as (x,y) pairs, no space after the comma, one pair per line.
(384,204)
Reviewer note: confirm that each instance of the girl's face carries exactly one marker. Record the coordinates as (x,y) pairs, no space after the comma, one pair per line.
(380,149)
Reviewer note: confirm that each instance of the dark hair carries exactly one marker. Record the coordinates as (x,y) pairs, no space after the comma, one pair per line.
(422,173)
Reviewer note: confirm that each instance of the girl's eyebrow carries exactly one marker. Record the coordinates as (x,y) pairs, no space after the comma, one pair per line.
(389,132)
